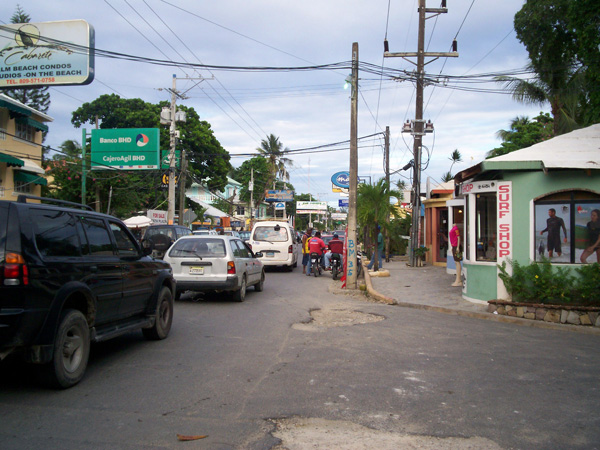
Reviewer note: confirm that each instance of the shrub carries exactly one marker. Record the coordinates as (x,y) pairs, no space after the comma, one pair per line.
(588,286)
(541,282)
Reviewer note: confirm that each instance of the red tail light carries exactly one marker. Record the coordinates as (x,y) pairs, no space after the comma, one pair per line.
(230,268)
(290,249)
(249,245)
(15,269)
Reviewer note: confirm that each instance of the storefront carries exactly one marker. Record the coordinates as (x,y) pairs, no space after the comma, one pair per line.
(532,203)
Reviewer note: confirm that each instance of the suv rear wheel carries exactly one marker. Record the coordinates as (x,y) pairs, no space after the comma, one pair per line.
(163,317)
(71,351)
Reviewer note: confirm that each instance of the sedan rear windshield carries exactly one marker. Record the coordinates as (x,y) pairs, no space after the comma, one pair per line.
(271,234)
(200,247)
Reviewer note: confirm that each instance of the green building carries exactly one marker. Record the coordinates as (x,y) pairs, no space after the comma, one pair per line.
(532,203)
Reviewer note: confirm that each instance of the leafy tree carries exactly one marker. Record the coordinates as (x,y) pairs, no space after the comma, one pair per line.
(38,98)
(374,207)
(302,220)
(273,150)
(523,133)
(243,174)
(137,190)
(562,43)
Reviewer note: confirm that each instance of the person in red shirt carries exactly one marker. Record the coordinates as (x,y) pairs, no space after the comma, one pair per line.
(336,245)
(316,245)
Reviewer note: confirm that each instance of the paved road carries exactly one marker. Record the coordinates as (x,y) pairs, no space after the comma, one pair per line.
(228,370)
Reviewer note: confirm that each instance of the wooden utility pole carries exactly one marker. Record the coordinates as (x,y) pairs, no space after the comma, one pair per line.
(351,269)
(418,128)
(387,182)
(172,144)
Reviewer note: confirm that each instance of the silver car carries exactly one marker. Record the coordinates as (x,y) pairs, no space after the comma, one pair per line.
(215,263)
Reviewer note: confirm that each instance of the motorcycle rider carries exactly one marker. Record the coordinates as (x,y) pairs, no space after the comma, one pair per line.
(315,245)
(336,245)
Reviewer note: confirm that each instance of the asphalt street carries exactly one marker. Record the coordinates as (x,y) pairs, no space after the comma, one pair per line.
(234,371)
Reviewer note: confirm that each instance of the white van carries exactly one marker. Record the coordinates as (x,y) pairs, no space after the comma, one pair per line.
(276,240)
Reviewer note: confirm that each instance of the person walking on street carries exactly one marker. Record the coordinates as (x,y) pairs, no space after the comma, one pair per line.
(315,245)
(380,242)
(456,254)
(305,253)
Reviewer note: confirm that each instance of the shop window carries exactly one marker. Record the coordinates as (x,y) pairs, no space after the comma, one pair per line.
(567,228)
(485,227)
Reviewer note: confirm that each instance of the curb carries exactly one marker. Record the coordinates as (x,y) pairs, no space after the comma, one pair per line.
(478,315)
(373,293)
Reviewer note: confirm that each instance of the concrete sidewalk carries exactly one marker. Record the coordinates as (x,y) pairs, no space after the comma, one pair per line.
(429,288)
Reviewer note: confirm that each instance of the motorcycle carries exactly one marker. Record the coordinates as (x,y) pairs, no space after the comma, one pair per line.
(336,265)
(315,264)
(358,263)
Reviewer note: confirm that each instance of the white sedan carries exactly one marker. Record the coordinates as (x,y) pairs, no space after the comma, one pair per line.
(215,263)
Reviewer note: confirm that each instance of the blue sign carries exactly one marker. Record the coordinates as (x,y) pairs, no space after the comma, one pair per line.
(341,179)
(343,203)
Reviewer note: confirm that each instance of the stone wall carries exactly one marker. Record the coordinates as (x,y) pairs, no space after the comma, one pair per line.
(574,315)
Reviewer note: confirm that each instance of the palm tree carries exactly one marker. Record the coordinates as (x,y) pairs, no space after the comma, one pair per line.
(374,207)
(455,157)
(560,87)
(271,149)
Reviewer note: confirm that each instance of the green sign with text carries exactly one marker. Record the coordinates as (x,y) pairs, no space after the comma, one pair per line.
(125,148)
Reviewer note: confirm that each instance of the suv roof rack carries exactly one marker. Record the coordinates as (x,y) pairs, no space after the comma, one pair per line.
(23,199)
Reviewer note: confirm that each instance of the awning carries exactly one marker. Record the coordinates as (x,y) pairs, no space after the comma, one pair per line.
(15,108)
(210,210)
(32,123)
(27,177)
(11,160)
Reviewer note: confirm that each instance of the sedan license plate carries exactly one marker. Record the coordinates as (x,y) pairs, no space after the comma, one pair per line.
(194,270)
(270,254)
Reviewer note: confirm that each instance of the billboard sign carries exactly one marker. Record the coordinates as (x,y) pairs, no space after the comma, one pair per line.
(46,54)
(311,206)
(125,148)
(343,203)
(341,179)
(279,196)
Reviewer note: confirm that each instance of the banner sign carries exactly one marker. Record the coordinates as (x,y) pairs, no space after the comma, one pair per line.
(125,148)
(46,54)
(279,196)
(339,216)
(343,203)
(310,211)
(312,206)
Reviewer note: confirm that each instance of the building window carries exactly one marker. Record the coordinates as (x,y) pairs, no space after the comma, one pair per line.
(23,187)
(485,226)
(25,132)
(567,228)
(240,211)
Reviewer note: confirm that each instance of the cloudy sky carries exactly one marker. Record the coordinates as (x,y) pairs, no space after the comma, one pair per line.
(305,109)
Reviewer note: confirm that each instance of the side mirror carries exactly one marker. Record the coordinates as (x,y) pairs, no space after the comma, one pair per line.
(258,255)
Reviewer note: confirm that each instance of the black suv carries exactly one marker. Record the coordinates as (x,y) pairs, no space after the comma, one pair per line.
(70,276)
(161,237)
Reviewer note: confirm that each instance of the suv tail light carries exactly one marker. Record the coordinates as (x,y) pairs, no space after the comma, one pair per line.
(15,270)
(230,268)
(290,249)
